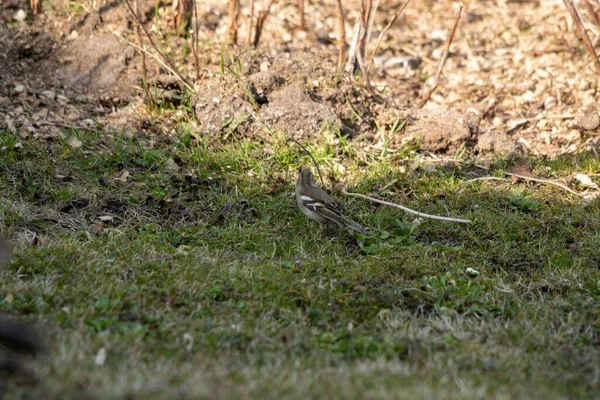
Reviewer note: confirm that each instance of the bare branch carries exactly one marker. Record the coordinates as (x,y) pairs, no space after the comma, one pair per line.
(260,22)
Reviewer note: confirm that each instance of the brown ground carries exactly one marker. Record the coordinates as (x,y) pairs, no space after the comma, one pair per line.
(517,76)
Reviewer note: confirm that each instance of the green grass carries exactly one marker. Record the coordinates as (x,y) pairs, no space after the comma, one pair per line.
(208,282)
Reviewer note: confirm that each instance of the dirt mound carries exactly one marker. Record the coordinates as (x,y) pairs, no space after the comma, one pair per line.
(98,64)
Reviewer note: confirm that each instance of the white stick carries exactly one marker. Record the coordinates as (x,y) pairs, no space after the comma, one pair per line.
(408,210)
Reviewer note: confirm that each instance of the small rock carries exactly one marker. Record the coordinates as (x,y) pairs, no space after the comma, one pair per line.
(589,121)
(121,176)
(100,358)
(19,88)
(48,94)
(20,15)
(172,165)
(586,181)
(264,66)
(74,142)
(549,102)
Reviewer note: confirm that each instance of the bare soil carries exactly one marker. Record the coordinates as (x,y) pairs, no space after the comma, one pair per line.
(518,77)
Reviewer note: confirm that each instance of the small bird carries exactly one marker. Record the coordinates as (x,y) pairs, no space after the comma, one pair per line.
(316,204)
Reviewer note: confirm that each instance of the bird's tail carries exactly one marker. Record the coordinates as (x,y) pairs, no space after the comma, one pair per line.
(355,226)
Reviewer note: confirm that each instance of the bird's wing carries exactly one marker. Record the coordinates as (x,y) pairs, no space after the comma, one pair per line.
(327,208)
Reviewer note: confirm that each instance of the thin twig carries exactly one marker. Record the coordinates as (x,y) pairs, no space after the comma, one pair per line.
(549,182)
(11,43)
(311,156)
(582,33)
(442,61)
(341,32)
(156,58)
(143,54)
(486,178)
(388,26)
(260,22)
(408,210)
(166,59)
(527,178)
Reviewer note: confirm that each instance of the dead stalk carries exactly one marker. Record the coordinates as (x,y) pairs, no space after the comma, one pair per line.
(581,31)
(351,59)
(388,26)
(368,10)
(195,39)
(341,31)
(156,58)
(364,17)
(234,11)
(302,16)
(144,69)
(590,10)
(183,12)
(165,58)
(440,65)
(372,11)
(360,34)
(250,25)
(260,22)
